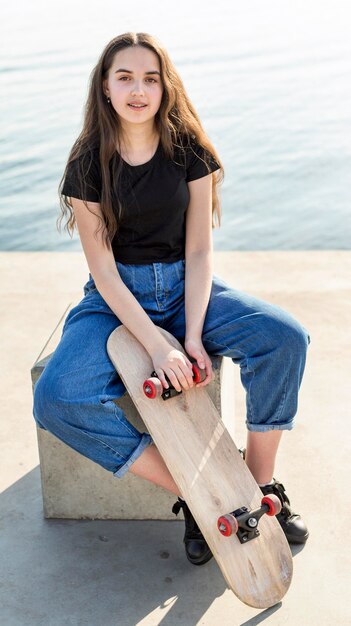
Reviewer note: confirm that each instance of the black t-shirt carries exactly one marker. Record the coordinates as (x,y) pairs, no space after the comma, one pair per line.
(154,199)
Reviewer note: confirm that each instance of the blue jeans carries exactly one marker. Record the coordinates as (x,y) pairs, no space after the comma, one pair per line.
(73,398)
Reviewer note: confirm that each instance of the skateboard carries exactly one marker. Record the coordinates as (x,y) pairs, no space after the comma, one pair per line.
(237,522)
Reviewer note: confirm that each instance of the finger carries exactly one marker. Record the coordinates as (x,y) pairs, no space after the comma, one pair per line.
(189,364)
(185,376)
(188,374)
(201,362)
(200,359)
(183,380)
(205,382)
(173,379)
(161,376)
(209,374)
(186,360)
(184,372)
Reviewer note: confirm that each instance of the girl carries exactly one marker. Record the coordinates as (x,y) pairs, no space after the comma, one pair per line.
(141,187)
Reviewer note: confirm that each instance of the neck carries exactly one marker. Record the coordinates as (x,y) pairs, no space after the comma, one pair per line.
(138,136)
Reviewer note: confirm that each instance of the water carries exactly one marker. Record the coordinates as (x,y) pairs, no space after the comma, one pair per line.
(270,80)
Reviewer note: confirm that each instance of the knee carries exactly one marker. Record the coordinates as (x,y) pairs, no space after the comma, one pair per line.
(44,400)
(293,338)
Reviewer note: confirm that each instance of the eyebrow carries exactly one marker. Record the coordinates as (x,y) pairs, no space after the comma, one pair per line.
(129,72)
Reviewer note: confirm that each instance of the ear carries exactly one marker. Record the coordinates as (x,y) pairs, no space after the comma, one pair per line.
(105,88)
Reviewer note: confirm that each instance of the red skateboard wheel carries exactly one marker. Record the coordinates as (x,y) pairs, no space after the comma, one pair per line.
(198,375)
(227,525)
(152,388)
(275,505)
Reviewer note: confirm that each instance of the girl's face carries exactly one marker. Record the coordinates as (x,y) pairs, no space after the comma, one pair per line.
(134,84)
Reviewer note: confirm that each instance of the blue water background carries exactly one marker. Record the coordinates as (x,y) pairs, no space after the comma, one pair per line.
(272,84)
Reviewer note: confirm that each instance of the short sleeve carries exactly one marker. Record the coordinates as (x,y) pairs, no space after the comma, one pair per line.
(87,170)
(196,168)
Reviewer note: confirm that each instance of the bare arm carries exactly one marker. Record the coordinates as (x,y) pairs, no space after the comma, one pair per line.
(198,254)
(122,302)
(199,260)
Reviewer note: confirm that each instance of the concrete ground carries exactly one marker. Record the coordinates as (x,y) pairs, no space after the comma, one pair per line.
(121,573)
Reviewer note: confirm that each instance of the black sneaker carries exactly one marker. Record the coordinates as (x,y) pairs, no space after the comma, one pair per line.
(293,526)
(196,548)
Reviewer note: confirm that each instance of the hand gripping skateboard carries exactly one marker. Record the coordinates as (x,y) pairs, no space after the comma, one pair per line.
(237,522)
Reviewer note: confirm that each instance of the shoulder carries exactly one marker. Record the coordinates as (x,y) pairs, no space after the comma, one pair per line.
(86,165)
(187,149)
(83,176)
(197,159)
(87,159)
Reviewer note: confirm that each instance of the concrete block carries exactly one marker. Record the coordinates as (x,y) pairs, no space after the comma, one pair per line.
(74,487)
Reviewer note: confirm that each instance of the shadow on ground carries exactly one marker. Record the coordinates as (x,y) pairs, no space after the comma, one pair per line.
(86,572)
(67,572)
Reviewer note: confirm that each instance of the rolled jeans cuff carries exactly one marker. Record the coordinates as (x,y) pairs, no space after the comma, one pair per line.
(262,428)
(145,441)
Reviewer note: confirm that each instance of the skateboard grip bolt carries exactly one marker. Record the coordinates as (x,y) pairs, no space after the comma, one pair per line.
(252,522)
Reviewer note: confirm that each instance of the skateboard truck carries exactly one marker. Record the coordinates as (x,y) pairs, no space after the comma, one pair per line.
(244,523)
(153,387)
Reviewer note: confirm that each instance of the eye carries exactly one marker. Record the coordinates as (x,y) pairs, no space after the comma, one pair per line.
(124,78)
(151,80)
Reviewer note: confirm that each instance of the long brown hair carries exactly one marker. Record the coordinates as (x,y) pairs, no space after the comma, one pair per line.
(176,121)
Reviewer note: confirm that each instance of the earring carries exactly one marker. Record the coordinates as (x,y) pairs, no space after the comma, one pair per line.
(108,100)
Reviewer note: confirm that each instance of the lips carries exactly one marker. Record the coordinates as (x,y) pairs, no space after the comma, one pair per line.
(137,105)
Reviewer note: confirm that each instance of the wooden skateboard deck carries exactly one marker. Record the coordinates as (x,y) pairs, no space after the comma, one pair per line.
(210,473)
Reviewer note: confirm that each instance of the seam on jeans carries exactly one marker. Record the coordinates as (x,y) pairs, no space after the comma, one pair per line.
(177,271)
(249,401)
(109,380)
(125,423)
(79,369)
(156,285)
(226,349)
(282,403)
(132,271)
(104,444)
(220,345)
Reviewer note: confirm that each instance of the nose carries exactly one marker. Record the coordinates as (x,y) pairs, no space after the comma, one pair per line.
(137,88)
